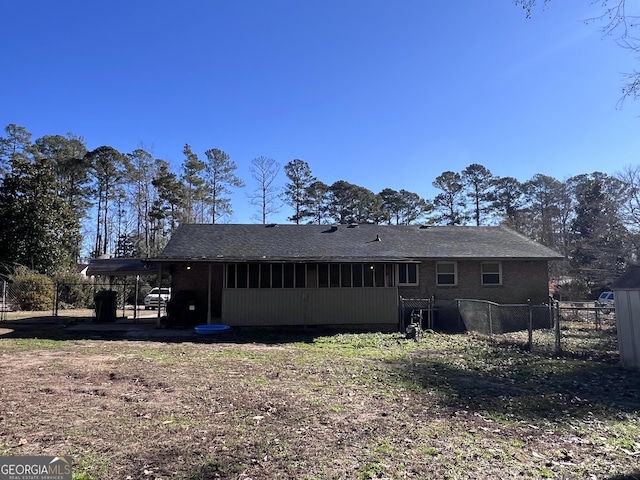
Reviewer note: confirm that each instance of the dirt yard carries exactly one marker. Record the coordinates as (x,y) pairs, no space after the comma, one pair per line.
(316,405)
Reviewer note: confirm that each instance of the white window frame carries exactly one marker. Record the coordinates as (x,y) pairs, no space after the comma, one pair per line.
(455,274)
(406,267)
(482,273)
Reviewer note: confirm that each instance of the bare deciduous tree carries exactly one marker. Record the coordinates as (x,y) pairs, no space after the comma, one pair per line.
(617,21)
(265,195)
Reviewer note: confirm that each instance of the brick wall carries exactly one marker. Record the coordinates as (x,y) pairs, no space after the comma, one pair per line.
(195,280)
(521,280)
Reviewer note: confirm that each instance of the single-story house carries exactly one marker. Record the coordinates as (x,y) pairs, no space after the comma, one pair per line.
(81,269)
(348,275)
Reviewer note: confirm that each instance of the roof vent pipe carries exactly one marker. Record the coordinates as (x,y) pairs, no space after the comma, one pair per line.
(378,239)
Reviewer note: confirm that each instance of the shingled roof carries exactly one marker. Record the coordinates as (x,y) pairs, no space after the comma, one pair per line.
(628,280)
(119,267)
(343,243)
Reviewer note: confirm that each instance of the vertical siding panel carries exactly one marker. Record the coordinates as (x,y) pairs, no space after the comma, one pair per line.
(355,306)
(623,316)
(633,329)
(262,307)
(310,306)
(628,325)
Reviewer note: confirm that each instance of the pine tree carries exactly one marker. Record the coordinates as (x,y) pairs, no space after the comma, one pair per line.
(221,178)
(297,192)
(192,175)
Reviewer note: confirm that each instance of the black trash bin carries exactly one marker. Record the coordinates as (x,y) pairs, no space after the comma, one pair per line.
(183,309)
(106,304)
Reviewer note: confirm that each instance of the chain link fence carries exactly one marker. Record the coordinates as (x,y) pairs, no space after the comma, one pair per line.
(59,297)
(586,330)
(492,318)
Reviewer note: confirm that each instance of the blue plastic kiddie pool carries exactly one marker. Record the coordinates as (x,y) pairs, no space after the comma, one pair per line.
(211,329)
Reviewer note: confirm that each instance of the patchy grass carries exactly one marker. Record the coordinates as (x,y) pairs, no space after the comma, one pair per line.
(360,406)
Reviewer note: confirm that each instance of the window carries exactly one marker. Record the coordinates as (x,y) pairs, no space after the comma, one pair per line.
(288,275)
(446,273)
(345,275)
(265,276)
(313,275)
(323,275)
(231,276)
(491,273)
(254,275)
(369,272)
(357,274)
(408,274)
(301,275)
(334,275)
(276,275)
(242,277)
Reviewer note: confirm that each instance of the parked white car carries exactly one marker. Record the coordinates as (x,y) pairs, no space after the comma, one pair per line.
(157,297)
(606,299)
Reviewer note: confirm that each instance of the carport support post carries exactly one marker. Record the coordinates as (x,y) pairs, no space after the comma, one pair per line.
(124,298)
(159,282)
(209,297)
(135,301)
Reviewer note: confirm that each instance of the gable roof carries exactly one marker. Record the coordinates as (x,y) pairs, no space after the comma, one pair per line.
(365,243)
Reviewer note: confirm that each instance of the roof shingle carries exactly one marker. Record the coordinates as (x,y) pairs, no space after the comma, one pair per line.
(243,242)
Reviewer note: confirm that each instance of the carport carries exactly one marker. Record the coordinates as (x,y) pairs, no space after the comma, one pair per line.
(124,267)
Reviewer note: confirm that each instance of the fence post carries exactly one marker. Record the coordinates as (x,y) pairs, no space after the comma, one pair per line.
(490,319)
(530,346)
(597,310)
(432,304)
(558,349)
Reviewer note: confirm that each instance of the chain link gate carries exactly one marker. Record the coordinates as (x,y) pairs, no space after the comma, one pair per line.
(416,306)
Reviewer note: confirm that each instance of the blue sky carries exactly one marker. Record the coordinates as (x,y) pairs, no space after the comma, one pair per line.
(377,93)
